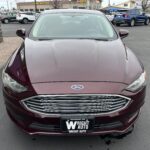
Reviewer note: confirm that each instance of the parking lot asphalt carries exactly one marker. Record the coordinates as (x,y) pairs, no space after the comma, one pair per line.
(9,30)
(12,138)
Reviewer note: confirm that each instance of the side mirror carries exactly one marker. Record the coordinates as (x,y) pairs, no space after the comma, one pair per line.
(21,33)
(143,13)
(123,33)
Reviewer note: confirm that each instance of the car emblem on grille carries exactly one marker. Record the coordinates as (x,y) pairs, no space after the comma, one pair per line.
(77,87)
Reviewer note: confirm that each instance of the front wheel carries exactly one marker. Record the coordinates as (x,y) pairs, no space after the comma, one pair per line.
(147,22)
(6,21)
(118,24)
(25,21)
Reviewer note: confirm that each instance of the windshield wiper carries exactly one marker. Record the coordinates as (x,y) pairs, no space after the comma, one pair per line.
(101,39)
(97,39)
(44,39)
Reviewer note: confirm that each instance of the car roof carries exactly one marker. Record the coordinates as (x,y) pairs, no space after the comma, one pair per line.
(72,11)
(135,9)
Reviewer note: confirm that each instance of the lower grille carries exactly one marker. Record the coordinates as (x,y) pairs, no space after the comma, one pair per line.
(57,127)
(45,127)
(108,126)
(75,104)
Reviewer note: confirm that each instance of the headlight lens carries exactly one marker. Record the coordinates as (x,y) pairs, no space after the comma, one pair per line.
(137,84)
(12,84)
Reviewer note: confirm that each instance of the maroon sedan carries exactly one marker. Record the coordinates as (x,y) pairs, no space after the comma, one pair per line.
(73,75)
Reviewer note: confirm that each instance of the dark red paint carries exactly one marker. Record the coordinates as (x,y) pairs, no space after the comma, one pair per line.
(51,67)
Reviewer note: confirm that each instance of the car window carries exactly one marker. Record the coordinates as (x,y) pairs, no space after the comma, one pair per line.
(132,11)
(27,13)
(139,11)
(73,25)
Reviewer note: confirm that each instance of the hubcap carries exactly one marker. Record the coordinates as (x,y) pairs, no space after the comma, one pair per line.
(25,21)
(147,21)
(6,21)
(132,23)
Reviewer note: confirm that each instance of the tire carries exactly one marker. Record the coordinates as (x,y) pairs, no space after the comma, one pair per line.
(118,24)
(20,22)
(25,21)
(147,21)
(6,21)
(132,23)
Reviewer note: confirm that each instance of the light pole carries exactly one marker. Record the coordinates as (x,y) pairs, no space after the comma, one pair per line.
(35,4)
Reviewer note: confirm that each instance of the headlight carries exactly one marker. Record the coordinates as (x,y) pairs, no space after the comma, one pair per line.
(137,84)
(12,84)
(22,54)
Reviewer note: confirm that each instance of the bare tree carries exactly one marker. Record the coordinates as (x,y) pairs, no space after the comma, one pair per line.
(145,4)
(56,4)
(1,36)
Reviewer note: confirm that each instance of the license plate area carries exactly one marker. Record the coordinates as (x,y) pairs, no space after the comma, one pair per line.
(77,126)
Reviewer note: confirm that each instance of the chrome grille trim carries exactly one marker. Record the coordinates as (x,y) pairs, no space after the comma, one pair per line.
(75,104)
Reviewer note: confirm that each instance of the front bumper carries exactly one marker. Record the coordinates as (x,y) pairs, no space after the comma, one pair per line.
(52,126)
(32,123)
(121,21)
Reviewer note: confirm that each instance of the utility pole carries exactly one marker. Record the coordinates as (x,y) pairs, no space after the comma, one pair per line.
(88,4)
(7,5)
(109,3)
(1,36)
(35,4)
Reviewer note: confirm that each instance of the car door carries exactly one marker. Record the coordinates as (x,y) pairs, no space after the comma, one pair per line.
(140,16)
(31,16)
(13,17)
(132,14)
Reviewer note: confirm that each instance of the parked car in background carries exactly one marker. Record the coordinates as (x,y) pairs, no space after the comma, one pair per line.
(131,17)
(109,15)
(72,75)
(8,17)
(121,11)
(26,17)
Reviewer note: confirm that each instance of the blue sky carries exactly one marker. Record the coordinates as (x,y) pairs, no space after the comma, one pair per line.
(3,3)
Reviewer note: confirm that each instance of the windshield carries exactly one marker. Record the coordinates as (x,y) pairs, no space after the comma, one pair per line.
(72,25)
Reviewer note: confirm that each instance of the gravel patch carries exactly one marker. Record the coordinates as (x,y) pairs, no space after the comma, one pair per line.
(7,47)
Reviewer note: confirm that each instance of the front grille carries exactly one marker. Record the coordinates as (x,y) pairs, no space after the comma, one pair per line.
(75,104)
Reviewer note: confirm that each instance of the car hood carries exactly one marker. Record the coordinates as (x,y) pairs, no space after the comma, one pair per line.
(79,60)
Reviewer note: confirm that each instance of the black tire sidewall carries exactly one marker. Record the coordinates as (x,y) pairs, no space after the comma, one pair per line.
(118,24)
(147,23)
